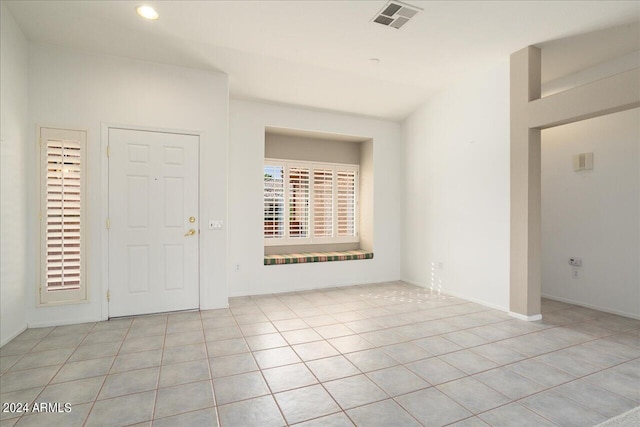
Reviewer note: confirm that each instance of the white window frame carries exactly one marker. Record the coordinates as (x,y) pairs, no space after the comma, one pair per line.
(286,240)
(62,296)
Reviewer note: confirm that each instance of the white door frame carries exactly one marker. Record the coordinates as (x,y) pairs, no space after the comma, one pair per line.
(104,142)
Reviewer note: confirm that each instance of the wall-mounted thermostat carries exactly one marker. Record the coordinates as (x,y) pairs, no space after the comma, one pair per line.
(583,162)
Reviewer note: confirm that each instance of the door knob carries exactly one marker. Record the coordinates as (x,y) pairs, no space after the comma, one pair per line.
(191,232)
(192,219)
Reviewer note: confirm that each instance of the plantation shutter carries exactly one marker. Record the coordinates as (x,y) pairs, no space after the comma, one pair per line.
(273,201)
(299,192)
(62,214)
(346,188)
(323,202)
(307,203)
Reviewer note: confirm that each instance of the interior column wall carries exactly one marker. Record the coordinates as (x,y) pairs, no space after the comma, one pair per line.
(525,279)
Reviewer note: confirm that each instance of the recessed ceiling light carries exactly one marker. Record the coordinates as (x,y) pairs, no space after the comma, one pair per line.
(147,12)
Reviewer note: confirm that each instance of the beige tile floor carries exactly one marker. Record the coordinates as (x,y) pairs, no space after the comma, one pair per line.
(387,354)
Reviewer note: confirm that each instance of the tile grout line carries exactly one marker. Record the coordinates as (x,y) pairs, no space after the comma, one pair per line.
(311,371)
(307,367)
(321,383)
(61,366)
(468,375)
(259,368)
(379,311)
(157,389)
(115,357)
(208,362)
(527,358)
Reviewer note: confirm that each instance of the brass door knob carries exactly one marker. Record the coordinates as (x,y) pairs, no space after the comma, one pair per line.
(190,232)
(192,219)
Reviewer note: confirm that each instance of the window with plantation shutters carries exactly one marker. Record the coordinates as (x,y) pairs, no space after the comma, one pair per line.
(273,201)
(62,215)
(346,198)
(299,193)
(321,201)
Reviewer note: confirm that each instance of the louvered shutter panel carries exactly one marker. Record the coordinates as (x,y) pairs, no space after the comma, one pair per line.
(299,192)
(322,202)
(346,187)
(273,201)
(63,214)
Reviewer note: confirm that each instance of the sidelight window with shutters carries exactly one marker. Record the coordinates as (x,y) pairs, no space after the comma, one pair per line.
(309,203)
(62,215)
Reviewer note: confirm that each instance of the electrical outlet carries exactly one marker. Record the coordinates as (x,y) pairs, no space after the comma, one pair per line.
(575,273)
(237,267)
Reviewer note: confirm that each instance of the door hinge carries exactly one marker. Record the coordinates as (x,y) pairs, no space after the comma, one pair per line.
(108,296)
(108,223)
(108,150)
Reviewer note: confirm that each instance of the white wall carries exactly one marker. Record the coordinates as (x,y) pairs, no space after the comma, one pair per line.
(367,195)
(246,156)
(593,214)
(13,191)
(68,88)
(603,70)
(456,190)
(311,149)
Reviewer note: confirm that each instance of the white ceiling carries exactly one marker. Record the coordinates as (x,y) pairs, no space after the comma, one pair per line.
(315,53)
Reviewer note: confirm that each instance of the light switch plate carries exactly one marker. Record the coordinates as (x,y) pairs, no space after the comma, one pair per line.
(215,224)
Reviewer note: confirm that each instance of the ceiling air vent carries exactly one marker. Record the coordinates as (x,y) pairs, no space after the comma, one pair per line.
(395,14)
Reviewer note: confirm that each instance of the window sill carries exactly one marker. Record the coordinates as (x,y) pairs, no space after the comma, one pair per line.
(310,242)
(309,257)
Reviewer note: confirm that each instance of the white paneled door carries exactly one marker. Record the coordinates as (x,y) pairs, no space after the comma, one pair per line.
(153,222)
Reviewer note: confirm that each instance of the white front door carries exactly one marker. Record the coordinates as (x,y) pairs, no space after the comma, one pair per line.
(153,215)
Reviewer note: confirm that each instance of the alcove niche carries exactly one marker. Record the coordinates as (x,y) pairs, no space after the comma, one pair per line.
(290,150)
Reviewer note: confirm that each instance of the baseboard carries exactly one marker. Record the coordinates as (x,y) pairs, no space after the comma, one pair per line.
(593,306)
(12,336)
(202,308)
(460,295)
(63,322)
(524,317)
(308,288)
